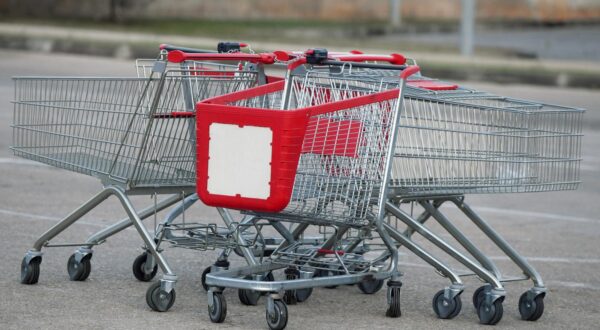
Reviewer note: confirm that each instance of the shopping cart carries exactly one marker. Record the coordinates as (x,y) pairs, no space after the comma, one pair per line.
(463,141)
(454,141)
(332,178)
(135,134)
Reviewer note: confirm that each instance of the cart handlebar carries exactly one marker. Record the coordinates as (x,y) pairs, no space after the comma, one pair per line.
(178,56)
(169,48)
(352,56)
(222,47)
(409,71)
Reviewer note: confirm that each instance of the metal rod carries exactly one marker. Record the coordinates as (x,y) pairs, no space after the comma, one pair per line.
(461,238)
(501,243)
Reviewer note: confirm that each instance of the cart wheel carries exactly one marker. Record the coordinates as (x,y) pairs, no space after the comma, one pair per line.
(325,273)
(218,311)
(30,271)
(203,278)
(478,296)
(531,309)
(490,314)
(370,285)
(269,278)
(303,294)
(79,271)
(139,268)
(446,308)
(278,320)
(394,302)
(158,299)
(248,297)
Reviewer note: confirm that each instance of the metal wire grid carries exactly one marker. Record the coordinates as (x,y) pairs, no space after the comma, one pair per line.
(308,257)
(339,173)
(469,141)
(450,147)
(118,129)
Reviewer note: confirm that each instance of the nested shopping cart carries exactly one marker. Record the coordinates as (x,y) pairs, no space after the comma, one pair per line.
(135,134)
(454,141)
(317,149)
(462,141)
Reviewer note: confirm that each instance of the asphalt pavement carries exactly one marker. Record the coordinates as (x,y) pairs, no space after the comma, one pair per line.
(558,232)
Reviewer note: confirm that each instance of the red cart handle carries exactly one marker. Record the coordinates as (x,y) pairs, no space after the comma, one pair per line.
(409,71)
(177,56)
(397,59)
(352,56)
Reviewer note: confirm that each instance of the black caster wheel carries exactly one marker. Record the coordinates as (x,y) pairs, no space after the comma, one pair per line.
(370,285)
(79,271)
(531,309)
(394,303)
(218,311)
(30,271)
(478,296)
(325,273)
(278,319)
(203,278)
(269,278)
(490,314)
(248,297)
(159,300)
(139,268)
(446,308)
(303,294)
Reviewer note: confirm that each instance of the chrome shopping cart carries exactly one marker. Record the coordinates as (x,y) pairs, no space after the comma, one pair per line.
(135,134)
(320,150)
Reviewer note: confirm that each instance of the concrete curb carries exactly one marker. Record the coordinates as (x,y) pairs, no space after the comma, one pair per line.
(443,66)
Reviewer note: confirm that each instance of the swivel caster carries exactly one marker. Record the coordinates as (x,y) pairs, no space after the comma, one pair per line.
(217,308)
(277,317)
(531,305)
(249,297)
(479,294)
(220,265)
(444,307)
(139,268)
(158,299)
(393,297)
(79,270)
(370,285)
(30,270)
(490,313)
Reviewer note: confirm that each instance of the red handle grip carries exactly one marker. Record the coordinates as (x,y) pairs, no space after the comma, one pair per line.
(409,71)
(397,59)
(178,56)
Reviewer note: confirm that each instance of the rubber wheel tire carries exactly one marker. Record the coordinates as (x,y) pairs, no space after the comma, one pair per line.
(490,314)
(138,268)
(79,271)
(478,296)
(278,320)
(325,273)
(159,300)
(30,271)
(249,297)
(531,310)
(303,294)
(370,285)
(444,308)
(203,278)
(218,312)
(394,307)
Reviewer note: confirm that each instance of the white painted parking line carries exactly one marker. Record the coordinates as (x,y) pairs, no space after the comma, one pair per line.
(550,216)
(19,161)
(31,216)
(554,259)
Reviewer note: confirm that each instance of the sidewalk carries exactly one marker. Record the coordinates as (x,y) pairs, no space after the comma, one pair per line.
(446,66)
